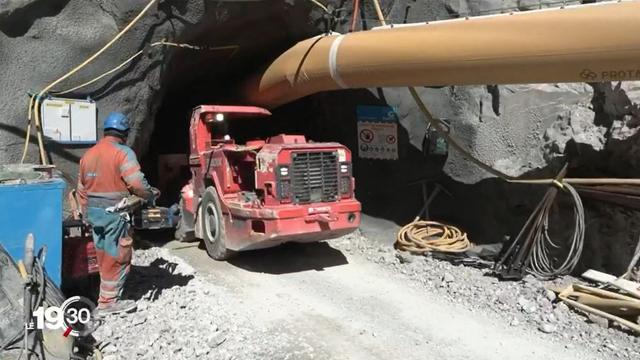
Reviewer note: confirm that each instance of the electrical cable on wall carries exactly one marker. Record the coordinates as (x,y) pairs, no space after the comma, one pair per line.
(34,101)
(137,54)
(34,105)
(321,6)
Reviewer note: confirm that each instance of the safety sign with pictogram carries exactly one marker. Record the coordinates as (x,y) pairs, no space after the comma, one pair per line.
(377,132)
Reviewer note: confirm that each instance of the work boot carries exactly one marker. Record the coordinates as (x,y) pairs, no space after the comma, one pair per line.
(117,307)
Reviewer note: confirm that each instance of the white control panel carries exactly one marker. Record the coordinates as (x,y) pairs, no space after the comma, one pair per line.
(69,121)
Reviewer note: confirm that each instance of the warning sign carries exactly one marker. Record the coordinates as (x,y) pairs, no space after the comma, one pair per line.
(377,132)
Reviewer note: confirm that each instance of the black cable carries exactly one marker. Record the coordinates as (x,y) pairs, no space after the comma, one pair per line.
(20,348)
(541,262)
(45,287)
(12,340)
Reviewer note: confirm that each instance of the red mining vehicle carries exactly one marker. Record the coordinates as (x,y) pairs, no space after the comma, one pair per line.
(265,192)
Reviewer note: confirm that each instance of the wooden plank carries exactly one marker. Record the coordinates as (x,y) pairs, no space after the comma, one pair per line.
(589,309)
(630,287)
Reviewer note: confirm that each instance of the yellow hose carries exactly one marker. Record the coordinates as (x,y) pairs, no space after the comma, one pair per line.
(28,135)
(421,236)
(43,157)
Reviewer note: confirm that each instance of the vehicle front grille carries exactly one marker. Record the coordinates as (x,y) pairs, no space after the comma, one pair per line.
(314,177)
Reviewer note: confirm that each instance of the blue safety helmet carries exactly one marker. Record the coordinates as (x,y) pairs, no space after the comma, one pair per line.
(117,121)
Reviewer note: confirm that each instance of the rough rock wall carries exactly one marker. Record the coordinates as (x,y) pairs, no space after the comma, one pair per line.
(526,130)
(517,129)
(40,40)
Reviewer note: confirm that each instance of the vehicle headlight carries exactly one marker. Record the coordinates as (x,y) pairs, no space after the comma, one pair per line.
(342,155)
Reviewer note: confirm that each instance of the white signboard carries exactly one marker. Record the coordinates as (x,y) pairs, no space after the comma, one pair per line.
(377,132)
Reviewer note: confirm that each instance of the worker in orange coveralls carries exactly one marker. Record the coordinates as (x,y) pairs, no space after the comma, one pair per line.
(109,172)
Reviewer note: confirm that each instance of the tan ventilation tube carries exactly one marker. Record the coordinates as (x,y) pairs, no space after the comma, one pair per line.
(597,42)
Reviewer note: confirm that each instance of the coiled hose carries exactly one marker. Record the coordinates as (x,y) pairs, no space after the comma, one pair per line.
(421,236)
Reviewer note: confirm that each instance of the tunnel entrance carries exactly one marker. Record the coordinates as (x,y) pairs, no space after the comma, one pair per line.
(165,162)
(213,75)
(388,189)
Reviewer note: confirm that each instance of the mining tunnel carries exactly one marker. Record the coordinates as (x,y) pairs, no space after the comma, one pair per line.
(521,128)
(387,189)
(511,88)
(390,190)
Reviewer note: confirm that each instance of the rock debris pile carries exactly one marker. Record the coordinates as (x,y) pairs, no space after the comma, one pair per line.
(184,315)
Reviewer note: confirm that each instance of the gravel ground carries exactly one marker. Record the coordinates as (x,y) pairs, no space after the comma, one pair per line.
(178,315)
(527,304)
(351,299)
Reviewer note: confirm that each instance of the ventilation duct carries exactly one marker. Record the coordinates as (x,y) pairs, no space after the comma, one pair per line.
(583,43)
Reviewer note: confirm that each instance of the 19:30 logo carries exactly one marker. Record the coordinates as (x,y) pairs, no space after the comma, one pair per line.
(74,316)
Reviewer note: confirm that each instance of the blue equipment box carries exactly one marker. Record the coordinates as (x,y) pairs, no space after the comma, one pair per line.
(34,207)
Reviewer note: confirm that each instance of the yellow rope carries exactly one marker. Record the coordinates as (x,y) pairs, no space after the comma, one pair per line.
(132,57)
(28,135)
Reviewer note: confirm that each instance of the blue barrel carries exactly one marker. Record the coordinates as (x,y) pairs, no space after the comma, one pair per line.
(34,207)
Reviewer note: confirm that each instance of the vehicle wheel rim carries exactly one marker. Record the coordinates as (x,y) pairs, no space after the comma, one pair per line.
(211,221)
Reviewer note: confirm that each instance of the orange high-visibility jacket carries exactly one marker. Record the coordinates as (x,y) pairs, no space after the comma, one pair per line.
(110,171)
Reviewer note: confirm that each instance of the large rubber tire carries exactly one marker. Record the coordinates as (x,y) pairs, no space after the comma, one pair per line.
(213,231)
(184,228)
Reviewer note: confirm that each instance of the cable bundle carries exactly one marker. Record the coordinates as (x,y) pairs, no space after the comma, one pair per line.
(531,251)
(44,293)
(541,261)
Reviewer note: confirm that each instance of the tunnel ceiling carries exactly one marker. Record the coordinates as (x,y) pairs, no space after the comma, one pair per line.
(259,35)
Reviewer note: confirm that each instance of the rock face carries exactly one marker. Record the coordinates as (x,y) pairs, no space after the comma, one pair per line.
(41,40)
(528,130)
(517,129)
